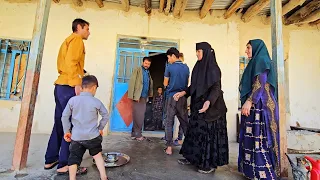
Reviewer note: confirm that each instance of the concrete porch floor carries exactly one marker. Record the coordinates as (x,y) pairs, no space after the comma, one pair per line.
(148,162)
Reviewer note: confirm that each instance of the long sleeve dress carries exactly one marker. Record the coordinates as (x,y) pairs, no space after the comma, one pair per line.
(206,142)
(259,134)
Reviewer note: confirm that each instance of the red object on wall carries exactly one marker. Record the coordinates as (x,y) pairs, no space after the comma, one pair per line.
(124,107)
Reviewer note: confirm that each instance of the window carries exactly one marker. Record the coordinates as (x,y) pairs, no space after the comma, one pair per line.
(131,52)
(243,62)
(13,65)
(128,61)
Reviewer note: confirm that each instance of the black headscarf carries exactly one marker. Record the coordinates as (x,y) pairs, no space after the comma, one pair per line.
(206,72)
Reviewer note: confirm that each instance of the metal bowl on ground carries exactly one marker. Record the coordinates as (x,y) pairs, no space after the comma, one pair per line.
(115,159)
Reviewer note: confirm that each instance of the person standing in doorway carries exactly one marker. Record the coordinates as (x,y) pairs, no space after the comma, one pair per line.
(70,66)
(140,88)
(157,108)
(175,79)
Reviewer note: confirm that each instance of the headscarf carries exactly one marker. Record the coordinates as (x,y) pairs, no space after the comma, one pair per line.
(259,63)
(206,72)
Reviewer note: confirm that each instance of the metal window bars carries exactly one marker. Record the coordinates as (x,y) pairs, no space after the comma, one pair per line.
(13,65)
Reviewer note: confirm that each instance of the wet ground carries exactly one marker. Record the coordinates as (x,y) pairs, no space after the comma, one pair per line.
(148,161)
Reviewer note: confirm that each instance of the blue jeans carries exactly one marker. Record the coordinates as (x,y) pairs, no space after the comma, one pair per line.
(58,148)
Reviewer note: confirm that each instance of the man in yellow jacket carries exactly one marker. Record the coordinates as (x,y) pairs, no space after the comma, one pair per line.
(70,66)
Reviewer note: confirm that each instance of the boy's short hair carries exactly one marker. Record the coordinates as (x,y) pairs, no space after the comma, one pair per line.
(174,51)
(89,81)
(159,87)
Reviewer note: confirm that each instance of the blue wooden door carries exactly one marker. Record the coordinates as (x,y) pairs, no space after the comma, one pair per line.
(127,60)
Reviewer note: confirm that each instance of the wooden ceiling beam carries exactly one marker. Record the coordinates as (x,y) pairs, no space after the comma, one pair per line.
(100,3)
(161,6)
(205,8)
(303,12)
(147,6)
(288,7)
(291,5)
(183,8)
(311,18)
(168,7)
(254,10)
(315,22)
(179,8)
(77,2)
(233,8)
(125,5)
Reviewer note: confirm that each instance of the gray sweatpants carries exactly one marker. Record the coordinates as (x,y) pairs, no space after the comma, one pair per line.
(179,109)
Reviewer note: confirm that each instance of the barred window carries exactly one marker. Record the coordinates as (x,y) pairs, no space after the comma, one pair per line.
(13,64)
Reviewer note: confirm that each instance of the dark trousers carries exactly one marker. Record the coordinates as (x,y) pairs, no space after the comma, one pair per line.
(138,111)
(58,148)
(179,109)
(180,134)
(78,148)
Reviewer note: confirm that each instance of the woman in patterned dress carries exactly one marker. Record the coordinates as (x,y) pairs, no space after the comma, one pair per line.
(259,156)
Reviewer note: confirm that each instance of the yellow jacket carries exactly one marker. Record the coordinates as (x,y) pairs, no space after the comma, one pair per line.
(70,61)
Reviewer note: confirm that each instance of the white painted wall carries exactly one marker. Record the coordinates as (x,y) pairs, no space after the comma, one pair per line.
(228,38)
(304,74)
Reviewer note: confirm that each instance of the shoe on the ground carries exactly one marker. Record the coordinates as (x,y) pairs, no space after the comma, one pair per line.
(183,162)
(204,171)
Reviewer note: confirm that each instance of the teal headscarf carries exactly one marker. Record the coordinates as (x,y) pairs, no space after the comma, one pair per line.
(259,63)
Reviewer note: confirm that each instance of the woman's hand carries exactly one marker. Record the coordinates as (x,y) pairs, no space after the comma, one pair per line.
(246,108)
(205,107)
(179,95)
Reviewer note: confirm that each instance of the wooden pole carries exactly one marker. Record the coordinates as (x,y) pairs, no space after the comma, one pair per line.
(21,147)
(277,56)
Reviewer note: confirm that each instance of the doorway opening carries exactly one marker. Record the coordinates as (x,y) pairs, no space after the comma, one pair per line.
(152,121)
(130,52)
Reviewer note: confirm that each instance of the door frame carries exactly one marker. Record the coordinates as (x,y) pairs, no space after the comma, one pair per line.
(115,77)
